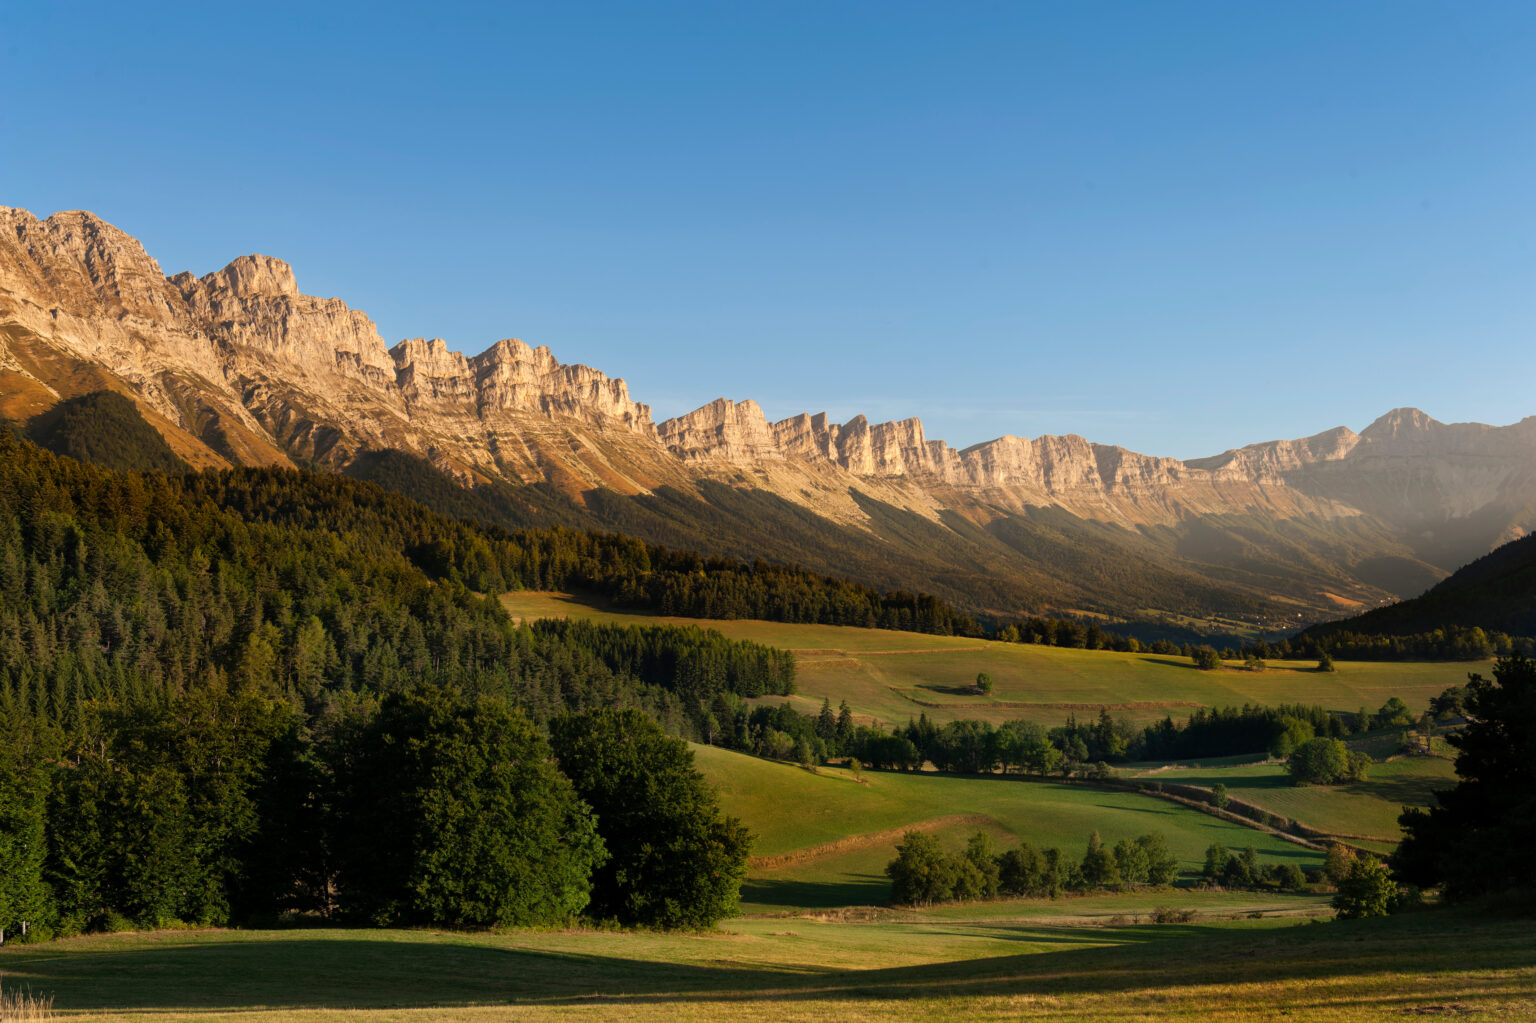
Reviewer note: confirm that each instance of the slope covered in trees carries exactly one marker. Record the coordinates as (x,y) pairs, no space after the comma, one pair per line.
(105,428)
(1496,594)
(221,696)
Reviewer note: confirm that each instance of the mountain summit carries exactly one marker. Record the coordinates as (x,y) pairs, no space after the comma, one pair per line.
(240,367)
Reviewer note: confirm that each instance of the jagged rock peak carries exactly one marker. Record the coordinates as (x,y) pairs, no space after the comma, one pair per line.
(75,254)
(255,275)
(510,375)
(734,431)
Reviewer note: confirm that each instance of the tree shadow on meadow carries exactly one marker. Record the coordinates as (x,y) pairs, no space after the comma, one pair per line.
(297,972)
(855,890)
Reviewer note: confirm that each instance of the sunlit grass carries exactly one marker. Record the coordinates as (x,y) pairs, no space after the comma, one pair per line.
(891,676)
(983,963)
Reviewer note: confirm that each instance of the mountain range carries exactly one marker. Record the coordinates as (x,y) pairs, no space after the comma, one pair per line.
(240,367)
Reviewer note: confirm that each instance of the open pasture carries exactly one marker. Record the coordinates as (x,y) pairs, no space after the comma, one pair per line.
(889,677)
(991,962)
(1365,810)
(823,840)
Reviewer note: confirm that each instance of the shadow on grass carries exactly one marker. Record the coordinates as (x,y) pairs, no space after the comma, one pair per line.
(1402,790)
(368,972)
(857,890)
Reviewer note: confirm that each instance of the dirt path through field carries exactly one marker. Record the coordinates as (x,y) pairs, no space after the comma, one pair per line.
(853,843)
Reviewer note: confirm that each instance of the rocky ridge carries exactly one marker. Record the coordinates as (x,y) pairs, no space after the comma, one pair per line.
(240,366)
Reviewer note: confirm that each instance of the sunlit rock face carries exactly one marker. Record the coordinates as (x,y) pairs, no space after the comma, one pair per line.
(240,366)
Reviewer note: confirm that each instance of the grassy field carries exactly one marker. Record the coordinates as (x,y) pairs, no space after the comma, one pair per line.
(1000,961)
(823,840)
(1365,809)
(892,676)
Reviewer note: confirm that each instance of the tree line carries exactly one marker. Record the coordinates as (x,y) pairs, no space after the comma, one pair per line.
(425,807)
(923,873)
(968,746)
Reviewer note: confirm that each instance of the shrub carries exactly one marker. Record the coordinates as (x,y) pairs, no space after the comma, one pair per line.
(1165,915)
(1206,658)
(1368,890)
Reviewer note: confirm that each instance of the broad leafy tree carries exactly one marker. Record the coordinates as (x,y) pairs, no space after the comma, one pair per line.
(675,859)
(451,812)
(921,873)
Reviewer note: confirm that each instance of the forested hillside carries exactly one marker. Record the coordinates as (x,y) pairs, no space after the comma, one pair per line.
(213,689)
(1484,608)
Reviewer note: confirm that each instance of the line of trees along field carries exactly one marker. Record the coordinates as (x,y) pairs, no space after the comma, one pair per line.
(1025,747)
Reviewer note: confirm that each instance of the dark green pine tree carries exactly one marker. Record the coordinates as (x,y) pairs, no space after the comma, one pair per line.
(24,896)
(1479,839)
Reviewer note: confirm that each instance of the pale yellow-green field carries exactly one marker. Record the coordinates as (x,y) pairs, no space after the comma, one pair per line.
(1095,961)
(890,677)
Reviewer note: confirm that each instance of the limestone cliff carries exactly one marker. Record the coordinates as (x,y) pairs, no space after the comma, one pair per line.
(240,366)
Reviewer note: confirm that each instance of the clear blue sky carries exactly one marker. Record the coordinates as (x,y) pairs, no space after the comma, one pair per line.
(1180,227)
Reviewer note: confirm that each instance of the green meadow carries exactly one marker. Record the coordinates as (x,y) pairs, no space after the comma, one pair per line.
(1361,810)
(816,942)
(823,840)
(888,677)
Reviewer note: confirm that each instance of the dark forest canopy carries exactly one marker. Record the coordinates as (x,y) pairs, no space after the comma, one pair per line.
(1478,608)
(211,686)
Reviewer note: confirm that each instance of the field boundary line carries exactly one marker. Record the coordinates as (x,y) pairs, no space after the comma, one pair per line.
(864,841)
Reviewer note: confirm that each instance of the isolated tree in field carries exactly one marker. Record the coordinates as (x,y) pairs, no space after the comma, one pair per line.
(452,813)
(1325,662)
(1324,761)
(921,873)
(1206,658)
(983,683)
(675,859)
(1219,797)
(1481,837)
(1367,890)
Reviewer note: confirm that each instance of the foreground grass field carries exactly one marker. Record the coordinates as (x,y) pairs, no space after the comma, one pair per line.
(1002,961)
(892,676)
(823,840)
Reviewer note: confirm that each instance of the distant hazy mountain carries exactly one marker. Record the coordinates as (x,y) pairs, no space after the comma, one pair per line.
(240,367)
